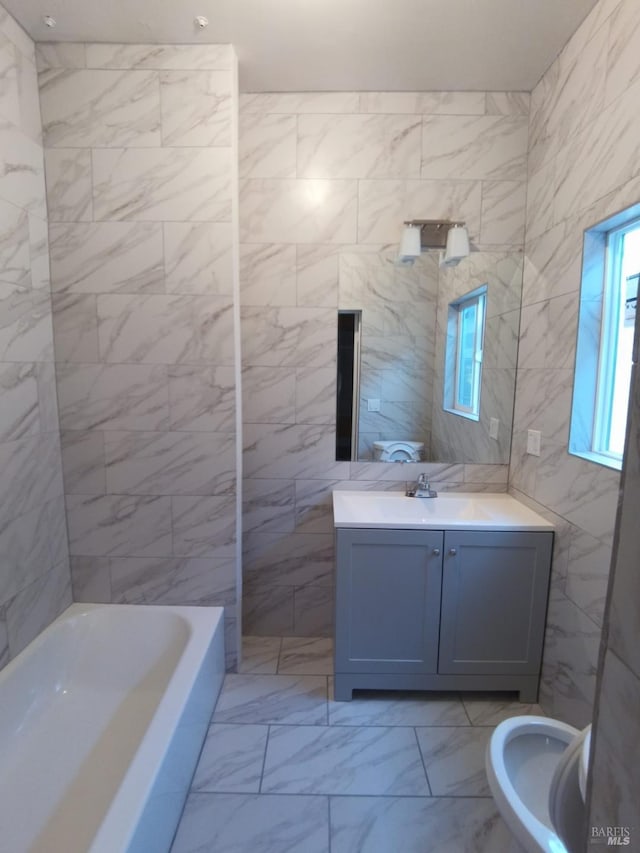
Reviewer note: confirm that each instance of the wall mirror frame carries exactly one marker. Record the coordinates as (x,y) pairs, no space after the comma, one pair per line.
(399,386)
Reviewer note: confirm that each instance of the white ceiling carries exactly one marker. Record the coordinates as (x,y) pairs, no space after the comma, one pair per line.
(306,45)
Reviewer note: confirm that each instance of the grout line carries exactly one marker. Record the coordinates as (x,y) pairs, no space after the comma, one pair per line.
(264,759)
(464,708)
(424,766)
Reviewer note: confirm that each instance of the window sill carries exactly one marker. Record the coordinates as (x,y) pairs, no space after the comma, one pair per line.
(468,415)
(598,459)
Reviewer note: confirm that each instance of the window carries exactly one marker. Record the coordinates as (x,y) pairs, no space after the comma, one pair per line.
(463,362)
(611,270)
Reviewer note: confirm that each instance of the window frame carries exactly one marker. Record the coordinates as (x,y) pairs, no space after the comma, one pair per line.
(452,402)
(598,346)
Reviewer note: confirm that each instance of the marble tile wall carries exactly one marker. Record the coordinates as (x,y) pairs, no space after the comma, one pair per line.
(326,180)
(139,155)
(584,165)
(615,775)
(35,584)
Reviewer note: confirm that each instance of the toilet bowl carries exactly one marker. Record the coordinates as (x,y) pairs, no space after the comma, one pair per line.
(532,767)
(398,451)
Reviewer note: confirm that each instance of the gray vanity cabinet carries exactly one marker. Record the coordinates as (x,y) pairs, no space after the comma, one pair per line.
(494,601)
(388,600)
(440,610)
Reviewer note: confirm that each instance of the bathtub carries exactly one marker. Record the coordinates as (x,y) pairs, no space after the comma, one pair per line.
(102,719)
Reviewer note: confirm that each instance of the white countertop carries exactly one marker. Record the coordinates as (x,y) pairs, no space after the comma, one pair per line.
(449,511)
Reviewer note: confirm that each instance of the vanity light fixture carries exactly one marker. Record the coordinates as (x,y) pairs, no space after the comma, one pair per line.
(418,235)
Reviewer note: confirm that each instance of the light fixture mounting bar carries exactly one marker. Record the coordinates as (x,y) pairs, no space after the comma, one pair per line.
(433,232)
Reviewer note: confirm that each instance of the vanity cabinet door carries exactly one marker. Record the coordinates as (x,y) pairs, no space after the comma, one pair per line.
(388,587)
(494,601)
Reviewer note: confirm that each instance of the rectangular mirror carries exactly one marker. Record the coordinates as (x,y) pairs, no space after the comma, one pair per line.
(438,346)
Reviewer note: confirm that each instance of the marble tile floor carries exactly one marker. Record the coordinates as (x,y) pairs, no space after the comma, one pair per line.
(287,769)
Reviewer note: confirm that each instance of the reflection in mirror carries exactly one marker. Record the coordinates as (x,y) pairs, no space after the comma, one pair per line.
(401,393)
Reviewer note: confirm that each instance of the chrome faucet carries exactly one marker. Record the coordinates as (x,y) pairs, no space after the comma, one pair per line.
(421,488)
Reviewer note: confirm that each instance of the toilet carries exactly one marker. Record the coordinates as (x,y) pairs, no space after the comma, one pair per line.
(533,768)
(398,451)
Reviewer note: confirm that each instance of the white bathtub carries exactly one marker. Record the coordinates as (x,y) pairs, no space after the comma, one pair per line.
(102,719)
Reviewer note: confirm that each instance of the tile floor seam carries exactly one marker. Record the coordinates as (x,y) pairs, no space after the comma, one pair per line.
(424,766)
(264,759)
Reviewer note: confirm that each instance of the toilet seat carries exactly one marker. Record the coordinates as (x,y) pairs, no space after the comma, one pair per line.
(522,757)
(398,451)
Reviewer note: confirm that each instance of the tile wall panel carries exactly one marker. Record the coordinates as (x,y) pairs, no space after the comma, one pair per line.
(583,167)
(326,182)
(35,583)
(139,153)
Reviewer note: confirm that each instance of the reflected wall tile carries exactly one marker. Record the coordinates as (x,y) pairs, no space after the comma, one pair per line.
(317,275)
(119,525)
(297,211)
(201,398)
(503,212)
(15,261)
(197,258)
(268,611)
(118,396)
(107,257)
(69,193)
(21,170)
(203,526)
(90,579)
(268,274)
(267,145)
(176,581)
(508,103)
(291,451)
(36,606)
(19,413)
(60,55)
(26,333)
(196,108)
(269,395)
(384,204)
(279,337)
(430,103)
(316,395)
(359,146)
(288,559)
(487,147)
(75,327)
(4,638)
(268,507)
(159,56)
(175,184)
(83,462)
(88,108)
(299,102)
(165,329)
(169,463)
(313,611)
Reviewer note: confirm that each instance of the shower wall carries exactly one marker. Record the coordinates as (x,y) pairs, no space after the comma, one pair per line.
(34,565)
(140,155)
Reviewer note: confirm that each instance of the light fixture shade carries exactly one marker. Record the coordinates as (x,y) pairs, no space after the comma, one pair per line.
(409,244)
(457,246)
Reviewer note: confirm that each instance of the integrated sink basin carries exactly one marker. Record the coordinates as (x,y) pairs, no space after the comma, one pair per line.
(450,510)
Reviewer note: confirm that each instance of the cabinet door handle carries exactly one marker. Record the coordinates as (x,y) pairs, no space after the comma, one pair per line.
(453,551)
(436,552)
